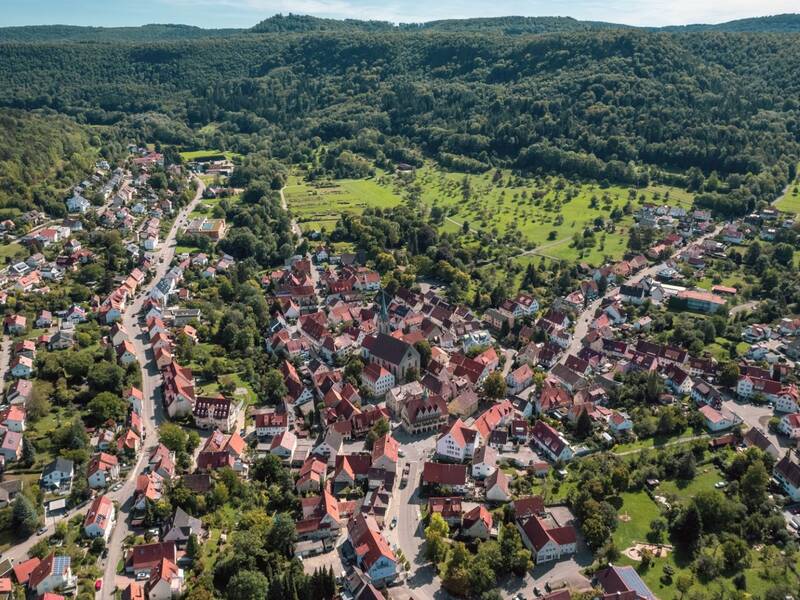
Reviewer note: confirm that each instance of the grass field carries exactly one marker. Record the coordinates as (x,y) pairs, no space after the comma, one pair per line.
(544,213)
(10,250)
(707,476)
(319,204)
(208,155)
(634,517)
(790,202)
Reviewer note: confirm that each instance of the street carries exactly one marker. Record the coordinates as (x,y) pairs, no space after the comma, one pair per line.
(152,408)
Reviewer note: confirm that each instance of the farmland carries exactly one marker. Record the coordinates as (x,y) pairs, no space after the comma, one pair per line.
(318,205)
(545,214)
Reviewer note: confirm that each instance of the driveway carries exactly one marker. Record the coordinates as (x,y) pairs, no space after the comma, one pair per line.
(758,416)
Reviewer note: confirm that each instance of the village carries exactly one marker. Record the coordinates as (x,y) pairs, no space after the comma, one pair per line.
(403,419)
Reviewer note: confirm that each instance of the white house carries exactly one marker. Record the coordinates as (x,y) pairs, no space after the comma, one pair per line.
(268,425)
(58,474)
(99,520)
(497,487)
(551,442)
(790,425)
(377,380)
(166,581)
(458,442)
(284,445)
(53,573)
(546,540)
(718,421)
(787,473)
(102,469)
(619,423)
(484,462)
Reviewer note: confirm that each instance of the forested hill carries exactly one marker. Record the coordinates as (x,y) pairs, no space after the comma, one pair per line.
(787,23)
(70,33)
(616,105)
(511,25)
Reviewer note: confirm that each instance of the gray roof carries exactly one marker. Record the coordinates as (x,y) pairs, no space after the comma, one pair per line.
(60,464)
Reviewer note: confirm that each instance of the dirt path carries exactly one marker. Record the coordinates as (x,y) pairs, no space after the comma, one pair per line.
(295,227)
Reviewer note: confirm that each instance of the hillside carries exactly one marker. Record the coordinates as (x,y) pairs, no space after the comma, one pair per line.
(70,33)
(787,23)
(616,105)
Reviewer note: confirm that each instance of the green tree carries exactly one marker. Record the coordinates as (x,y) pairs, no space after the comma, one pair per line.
(424,349)
(105,406)
(494,386)
(24,519)
(247,585)
(754,484)
(583,426)
(173,436)
(435,534)
(516,558)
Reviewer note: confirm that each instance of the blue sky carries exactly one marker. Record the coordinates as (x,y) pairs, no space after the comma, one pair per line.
(244,13)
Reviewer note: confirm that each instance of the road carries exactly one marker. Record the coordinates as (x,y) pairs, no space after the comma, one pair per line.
(587,315)
(295,227)
(152,407)
(5,356)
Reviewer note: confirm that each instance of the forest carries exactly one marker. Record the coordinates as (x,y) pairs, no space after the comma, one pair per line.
(626,106)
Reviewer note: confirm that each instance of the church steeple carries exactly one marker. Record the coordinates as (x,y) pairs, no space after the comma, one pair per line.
(383,315)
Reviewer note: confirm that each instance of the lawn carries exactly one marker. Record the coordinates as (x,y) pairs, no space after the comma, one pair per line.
(634,517)
(10,250)
(319,204)
(208,155)
(707,476)
(545,213)
(210,550)
(790,201)
(657,441)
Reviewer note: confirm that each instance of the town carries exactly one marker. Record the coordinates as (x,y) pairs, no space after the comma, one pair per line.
(419,443)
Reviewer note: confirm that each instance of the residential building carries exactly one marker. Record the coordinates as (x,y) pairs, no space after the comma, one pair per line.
(546,540)
(99,519)
(459,442)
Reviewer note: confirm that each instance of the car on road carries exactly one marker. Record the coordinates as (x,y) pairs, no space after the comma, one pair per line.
(143,575)
(393,524)
(401,453)
(41,531)
(98,585)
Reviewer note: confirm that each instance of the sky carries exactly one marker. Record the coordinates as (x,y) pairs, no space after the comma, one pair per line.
(246,13)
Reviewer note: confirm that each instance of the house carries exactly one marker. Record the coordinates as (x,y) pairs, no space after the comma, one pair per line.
(222,450)
(385,453)
(165,582)
(790,425)
(20,392)
(527,507)
(705,393)
(377,380)
(283,445)
(484,462)
(701,301)
(181,527)
(546,540)
(268,425)
(9,490)
(351,468)
(52,573)
(311,477)
(519,379)
(321,517)
(134,397)
(146,557)
(22,570)
(21,367)
(496,486)
(619,424)
(424,413)
(99,519)
(445,476)
(330,447)
(448,507)
(458,442)
(787,473)
(58,475)
(11,447)
(216,412)
(551,442)
(44,320)
(102,469)
(134,591)
(373,554)
(623,583)
(477,523)
(14,418)
(756,438)
(716,420)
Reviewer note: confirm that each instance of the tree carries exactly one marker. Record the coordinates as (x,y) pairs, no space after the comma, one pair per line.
(583,426)
(435,534)
(105,406)
(736,554)
(173,437)
(378,430)
(274,387)
(687,467)
(105,376)
(247,585)
(456,571)
(683,583)
(24,519)
(494,386)
(38,404)
(28,452)
(516,558)
(753,485)
(424,349)
(729,374)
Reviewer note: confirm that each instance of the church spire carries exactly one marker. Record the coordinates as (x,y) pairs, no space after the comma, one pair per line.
(383,317)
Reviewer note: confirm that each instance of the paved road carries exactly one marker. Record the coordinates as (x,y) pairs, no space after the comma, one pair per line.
(5,356)
(295,226)
(152,410)
(587,315)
